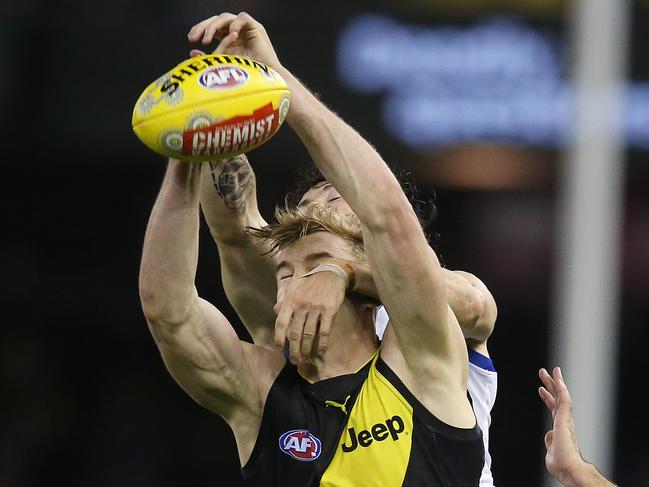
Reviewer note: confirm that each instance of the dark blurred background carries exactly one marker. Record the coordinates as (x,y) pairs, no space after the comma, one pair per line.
(85,397)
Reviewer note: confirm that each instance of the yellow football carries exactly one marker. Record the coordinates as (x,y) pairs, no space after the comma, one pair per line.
(211,107)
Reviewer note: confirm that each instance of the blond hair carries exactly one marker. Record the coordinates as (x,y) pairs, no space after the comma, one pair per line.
(296,223)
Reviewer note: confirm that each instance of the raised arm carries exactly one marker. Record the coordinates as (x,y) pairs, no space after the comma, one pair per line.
(407,273)
(197,343)
(229,203)
(406,270)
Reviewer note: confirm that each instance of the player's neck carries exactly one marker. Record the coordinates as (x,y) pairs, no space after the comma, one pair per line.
(352,343)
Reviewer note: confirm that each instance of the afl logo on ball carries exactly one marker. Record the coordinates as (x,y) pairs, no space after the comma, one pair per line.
(301,445)
(223,77)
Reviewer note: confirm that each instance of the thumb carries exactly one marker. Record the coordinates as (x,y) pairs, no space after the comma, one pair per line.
(196,52)
(548,439)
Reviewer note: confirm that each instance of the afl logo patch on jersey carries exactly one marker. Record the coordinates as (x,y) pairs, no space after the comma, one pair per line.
(223,77)
(301,445)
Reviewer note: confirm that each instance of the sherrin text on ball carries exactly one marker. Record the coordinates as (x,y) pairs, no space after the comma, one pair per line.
(211,107)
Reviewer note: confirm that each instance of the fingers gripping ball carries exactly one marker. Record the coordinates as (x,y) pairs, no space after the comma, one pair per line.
(211,107)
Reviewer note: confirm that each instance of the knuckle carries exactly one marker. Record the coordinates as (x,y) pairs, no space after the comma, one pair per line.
(293,335)
(281,323)
(324,332)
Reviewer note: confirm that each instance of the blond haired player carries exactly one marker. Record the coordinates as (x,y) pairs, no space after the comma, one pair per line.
(307,306)
(229,205)
(359,415)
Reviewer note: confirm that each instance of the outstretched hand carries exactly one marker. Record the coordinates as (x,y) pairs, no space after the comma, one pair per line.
(305,309)
(239,35)
(563,456)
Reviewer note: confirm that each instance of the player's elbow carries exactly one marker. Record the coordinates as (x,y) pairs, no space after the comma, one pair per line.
(472,307)
(150,303)
(478,315)
(160,310)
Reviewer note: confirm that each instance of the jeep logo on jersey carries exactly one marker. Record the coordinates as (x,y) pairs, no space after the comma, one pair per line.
(380,431)
(223,77)
(301,445)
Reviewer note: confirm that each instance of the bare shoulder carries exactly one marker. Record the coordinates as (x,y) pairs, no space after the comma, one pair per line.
(482,287)
(483,315)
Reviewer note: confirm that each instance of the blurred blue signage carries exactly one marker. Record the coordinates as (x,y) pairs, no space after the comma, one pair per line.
(499,81)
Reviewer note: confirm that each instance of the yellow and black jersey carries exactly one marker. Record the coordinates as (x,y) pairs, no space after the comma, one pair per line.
(358,430)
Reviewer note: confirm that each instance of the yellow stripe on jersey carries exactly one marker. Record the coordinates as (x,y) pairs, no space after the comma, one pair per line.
(375,447)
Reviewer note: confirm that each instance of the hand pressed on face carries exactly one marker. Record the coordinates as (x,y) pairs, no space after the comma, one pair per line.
(305,309)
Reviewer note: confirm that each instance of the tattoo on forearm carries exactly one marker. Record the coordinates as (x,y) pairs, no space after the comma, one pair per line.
(233,180)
